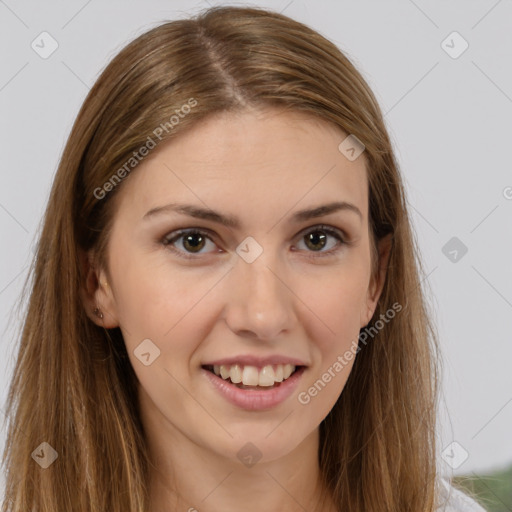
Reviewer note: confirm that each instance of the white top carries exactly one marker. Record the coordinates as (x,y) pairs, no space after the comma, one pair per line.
(453,500)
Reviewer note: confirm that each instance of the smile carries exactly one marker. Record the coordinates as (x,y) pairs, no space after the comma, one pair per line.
(252,388)
(248,375)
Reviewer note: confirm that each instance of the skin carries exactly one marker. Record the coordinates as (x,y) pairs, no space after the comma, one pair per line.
(260,166)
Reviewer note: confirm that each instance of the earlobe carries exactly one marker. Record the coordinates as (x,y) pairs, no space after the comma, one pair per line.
(96,294)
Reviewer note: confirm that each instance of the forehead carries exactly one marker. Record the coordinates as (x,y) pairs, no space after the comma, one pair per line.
(259,161)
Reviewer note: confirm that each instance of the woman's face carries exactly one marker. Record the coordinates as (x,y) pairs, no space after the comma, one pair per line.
(272,273)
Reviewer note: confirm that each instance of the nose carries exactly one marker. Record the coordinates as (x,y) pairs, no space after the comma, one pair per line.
(260,304)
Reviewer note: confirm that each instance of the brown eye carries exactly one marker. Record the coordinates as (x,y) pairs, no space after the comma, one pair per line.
(316,240)
(193,242)
(322,240)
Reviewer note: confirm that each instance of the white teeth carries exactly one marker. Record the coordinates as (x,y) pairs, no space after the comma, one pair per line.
(224,372)
(267,376)
(235,374)
(288,370)
(252,376)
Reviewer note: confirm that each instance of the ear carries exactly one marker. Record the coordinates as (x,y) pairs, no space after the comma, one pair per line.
(377,281)
(96,292)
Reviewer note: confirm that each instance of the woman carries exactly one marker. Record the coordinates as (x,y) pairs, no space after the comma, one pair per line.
(226,310)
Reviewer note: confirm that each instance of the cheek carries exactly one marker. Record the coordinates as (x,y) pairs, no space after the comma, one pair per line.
(335,334)
(165,304)
(336,302)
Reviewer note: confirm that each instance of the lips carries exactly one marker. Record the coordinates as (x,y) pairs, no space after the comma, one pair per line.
(253,398)
(254,382)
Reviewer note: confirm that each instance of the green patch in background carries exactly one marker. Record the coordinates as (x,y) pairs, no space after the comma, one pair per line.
(493,490)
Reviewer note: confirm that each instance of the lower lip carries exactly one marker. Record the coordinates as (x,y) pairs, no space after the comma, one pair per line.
(253,399)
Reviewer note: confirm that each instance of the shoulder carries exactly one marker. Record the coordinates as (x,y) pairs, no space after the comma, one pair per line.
(454,500)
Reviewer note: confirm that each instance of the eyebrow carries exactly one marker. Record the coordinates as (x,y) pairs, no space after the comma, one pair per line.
(233,222)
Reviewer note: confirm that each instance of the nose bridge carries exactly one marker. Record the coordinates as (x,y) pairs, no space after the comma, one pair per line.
(259,302)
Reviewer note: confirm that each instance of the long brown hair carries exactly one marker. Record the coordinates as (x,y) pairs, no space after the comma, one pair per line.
(73,385)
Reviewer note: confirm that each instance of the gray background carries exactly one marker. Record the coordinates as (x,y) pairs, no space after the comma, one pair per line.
(449,118)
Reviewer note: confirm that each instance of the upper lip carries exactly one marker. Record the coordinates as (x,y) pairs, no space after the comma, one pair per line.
(258,361)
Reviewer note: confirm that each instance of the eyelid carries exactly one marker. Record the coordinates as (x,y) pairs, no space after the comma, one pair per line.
(339,234)
(168,240)
(327,228)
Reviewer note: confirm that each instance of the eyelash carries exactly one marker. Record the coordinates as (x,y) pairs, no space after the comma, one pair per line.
(172,237)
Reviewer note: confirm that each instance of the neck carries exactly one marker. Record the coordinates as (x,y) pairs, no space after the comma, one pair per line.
(189,477)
